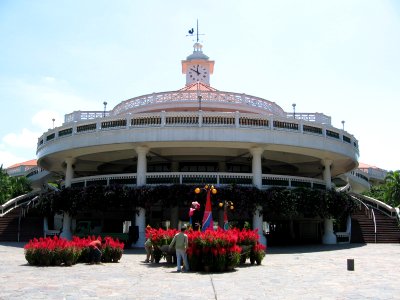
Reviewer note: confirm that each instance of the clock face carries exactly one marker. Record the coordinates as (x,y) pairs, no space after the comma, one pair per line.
(197,73)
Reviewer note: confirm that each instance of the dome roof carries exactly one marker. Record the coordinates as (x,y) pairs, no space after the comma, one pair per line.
(197,52)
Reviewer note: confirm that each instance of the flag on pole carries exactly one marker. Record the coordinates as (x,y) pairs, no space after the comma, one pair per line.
(207,218)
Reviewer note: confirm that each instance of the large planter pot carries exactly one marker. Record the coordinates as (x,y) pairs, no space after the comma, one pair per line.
(157,254)
(194,263)
(246,251)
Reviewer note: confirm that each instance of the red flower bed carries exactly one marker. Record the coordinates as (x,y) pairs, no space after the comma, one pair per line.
(56,251)
(218,250)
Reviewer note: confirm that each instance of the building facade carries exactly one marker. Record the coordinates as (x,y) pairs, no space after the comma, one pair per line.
(198,134)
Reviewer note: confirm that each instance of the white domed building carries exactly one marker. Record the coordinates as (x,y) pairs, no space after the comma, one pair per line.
(198,134)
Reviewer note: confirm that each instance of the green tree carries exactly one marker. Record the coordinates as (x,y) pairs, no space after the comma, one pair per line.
(19,186)
(377,192)
(5,186)
(11,187)
(392,188)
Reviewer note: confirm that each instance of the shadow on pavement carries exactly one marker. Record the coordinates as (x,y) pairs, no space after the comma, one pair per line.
(310,248)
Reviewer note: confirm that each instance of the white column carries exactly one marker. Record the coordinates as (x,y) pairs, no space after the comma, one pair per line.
(141,165)
(140,221)
(69,175)
(237,119)
(329,237)
(69,171)
(201,114)
(327,173)
(163,118)
(257,224)
(256,166)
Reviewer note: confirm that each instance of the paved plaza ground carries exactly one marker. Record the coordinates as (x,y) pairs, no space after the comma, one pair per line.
(298,272)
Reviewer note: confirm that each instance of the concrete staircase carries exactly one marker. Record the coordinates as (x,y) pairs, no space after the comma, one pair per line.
(14,228)
(363,228)
(387,228)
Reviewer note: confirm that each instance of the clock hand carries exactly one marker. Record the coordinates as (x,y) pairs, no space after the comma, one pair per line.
(198,73)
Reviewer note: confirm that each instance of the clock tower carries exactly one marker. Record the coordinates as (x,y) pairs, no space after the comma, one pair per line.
(197,66)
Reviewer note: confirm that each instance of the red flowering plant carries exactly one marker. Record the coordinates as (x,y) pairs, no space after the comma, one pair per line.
(219,258)
(258,252)
(246,240)
(112,250)
(56,251)
(233,256)
(51,251)
(194,250)
(219,249)
(247,236)
(212,246)
(160,238)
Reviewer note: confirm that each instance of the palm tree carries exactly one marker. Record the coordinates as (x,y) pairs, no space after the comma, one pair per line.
(392,190)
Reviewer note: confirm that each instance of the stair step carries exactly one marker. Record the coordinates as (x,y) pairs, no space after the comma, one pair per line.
(30,226)
(387,230)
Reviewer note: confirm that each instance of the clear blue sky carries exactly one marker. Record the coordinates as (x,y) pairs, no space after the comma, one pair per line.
(339,57)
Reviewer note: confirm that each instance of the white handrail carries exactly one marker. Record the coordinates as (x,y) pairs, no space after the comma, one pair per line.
(373,216)
(17,202)
(379,205)
(369,212)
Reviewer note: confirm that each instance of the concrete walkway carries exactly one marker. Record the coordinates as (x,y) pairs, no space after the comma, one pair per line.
(301,272)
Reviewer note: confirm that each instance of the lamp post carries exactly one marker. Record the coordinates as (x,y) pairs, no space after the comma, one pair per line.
(225,205)
(294,110)
(343,125)
(53,122)
(105,107)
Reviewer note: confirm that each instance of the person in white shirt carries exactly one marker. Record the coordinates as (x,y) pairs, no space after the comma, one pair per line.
(181,243)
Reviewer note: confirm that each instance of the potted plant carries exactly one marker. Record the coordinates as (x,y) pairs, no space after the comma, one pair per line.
(259,253)
(233,257)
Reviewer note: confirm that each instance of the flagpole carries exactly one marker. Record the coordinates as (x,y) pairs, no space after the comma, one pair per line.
(208,222)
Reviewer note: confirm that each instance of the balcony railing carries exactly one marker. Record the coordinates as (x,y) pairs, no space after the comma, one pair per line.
(244,179)
(198,119)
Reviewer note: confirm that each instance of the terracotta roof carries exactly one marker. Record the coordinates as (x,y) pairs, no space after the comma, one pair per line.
(32,162)
(367,166)
(198,86)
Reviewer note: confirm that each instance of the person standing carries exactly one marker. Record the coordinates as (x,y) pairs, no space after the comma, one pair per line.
(148,245)
(181,243)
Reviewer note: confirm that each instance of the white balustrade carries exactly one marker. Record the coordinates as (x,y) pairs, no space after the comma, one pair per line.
(197,119)
(223,178)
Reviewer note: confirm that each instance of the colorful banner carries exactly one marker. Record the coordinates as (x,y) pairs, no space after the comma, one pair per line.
(207,218)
